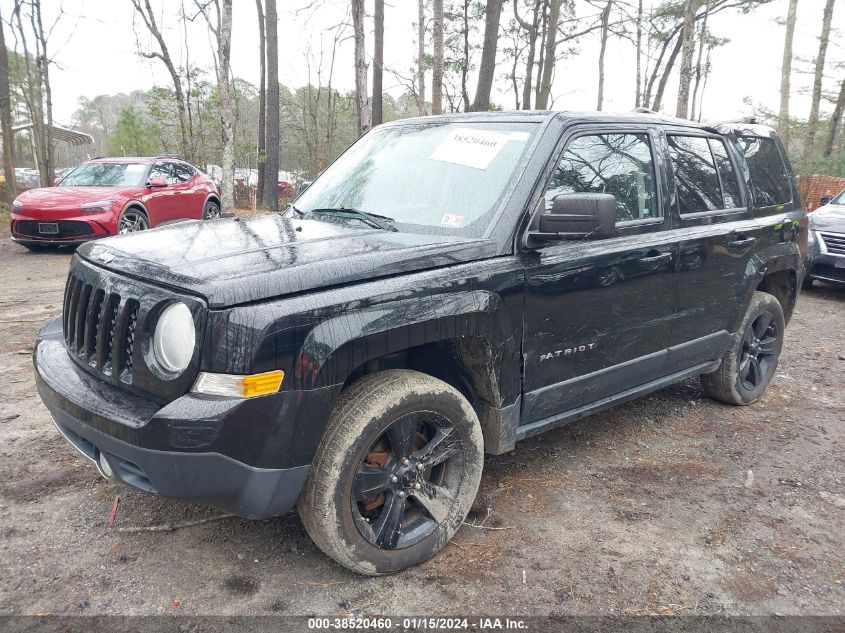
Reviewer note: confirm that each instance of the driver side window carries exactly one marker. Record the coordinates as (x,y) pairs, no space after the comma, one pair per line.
(162,171)
(619,164)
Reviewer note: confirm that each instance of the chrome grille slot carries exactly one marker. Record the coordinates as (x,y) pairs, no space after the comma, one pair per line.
(835,242)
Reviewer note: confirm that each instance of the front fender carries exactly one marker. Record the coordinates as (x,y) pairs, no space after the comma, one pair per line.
(334,348)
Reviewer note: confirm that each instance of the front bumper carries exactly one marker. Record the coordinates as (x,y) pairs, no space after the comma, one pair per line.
(71,230)
(825,266)
(101,420)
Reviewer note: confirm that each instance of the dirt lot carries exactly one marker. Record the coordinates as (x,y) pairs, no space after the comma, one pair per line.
(671,504)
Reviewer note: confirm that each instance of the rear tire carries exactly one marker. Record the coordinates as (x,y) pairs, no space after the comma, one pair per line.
(750,362)
(395,474)
(807,284)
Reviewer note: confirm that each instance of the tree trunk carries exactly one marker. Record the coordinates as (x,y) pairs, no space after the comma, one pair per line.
(44,68)
(465,66)
(835,120)
(437,66)
(262,98)
(541,62)
(531,34)
(270,195)
(378,62)
(550,49)
(421,58)
(605,20)
(698,68)
(6,121)
(638,98)
(362,101)
(786,73)
(227,117)
(33,98)
(148,16)
(813,121)
(487,69)
(661,88)
(687,50)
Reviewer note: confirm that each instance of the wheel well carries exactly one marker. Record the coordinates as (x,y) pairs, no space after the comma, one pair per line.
(465,363)
(212,197)
(783,285)
(137,207)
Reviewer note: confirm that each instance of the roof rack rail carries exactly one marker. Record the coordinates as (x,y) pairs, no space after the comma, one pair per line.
(748,120)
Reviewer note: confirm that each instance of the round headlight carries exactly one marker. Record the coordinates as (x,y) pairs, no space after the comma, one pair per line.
(174,338)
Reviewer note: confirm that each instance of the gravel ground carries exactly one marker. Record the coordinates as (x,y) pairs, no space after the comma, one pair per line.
(672,504)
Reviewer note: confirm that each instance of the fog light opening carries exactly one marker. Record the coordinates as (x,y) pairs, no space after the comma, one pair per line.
(103,466)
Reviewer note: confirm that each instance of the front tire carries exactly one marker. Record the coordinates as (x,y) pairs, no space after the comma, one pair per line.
(395,474)
(211,210)
(748,366)
(132,221)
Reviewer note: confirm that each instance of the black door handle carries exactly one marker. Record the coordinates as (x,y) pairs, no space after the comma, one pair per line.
(742,242)
(656,259)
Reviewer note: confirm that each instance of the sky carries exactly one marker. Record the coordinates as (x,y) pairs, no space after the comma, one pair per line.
(95,52)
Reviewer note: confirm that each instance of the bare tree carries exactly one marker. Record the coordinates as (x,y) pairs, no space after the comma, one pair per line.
(378,62)
(145,11)
(262,98)
(6,120)
(813,121)
(687,51)
(605,20)
(786,72)
(220,24)
(835,120)
(487,68)
(270,191)
(437,62)
(530,29)
(421,57)
(362,101)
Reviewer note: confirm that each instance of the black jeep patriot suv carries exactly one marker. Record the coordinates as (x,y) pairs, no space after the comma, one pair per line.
(448,287)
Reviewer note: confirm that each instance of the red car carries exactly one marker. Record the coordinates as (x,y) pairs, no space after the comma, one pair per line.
(111,196)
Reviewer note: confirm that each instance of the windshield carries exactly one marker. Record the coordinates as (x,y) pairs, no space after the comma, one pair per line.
(106,175)
(435,178)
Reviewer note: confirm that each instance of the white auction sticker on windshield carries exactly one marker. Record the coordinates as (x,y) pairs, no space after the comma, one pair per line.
(452,219)
(472,148)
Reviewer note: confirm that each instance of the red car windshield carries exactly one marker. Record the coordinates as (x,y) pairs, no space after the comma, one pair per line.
(106,175)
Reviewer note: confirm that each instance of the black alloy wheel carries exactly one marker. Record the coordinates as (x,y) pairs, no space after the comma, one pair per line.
(759,349)
(401,491)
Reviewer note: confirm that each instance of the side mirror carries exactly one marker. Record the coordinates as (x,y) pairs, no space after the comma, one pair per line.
(578,215)
(826,200)
(156,183)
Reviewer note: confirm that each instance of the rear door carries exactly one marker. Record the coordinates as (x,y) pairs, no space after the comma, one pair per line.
(598,313)
(711,208)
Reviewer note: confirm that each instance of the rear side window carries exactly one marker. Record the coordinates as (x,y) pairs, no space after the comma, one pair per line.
(183,172)
(619,164)
(769,178)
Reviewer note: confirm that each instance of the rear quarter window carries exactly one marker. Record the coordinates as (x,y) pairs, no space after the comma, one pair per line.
(770,181)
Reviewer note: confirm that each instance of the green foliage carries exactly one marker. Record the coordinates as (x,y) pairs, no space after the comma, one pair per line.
(132,135)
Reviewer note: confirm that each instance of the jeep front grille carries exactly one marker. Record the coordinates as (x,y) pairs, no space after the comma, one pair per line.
(100,328)
(835,242)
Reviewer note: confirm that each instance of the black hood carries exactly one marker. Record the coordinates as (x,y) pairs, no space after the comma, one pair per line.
(829,218)
(229,262)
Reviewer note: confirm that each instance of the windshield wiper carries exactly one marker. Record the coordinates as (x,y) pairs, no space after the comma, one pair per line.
(373,219)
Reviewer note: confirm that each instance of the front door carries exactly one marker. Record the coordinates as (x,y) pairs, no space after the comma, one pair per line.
(598,313)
